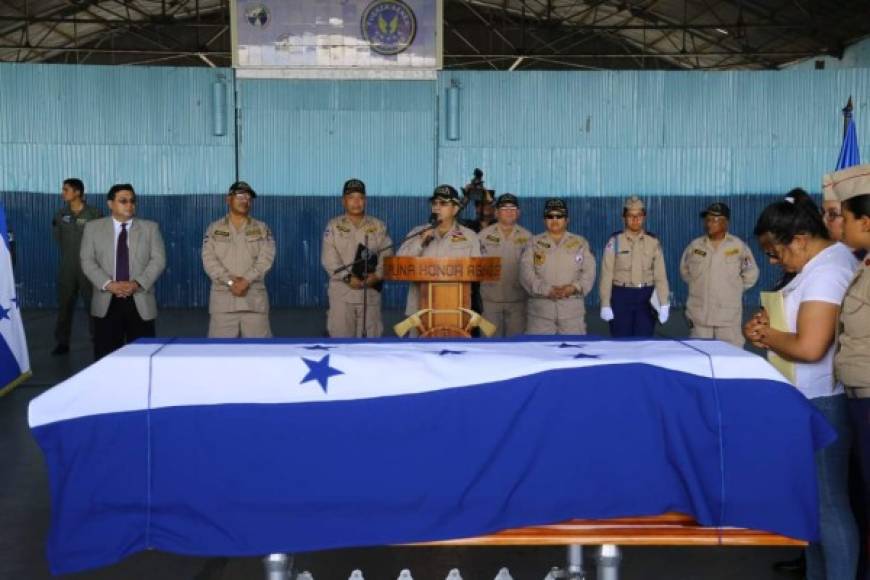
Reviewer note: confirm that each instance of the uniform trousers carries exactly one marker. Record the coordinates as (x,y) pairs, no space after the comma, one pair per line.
(633,315)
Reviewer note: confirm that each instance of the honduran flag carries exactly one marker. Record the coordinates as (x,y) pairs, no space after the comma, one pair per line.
(245,447)
(14,360)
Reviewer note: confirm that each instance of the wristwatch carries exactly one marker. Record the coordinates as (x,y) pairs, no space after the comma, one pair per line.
(230,283)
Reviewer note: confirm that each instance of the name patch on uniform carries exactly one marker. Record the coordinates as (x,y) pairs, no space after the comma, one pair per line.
(221,233)
(372,230)
(343,228)
(493,238)
(624,251)
(543,244)
(732,252)
(701,253)
(540,259)
(521,241)
(458,237)
(253,232)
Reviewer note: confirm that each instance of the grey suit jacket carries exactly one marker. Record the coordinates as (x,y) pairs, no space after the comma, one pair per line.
(147,261)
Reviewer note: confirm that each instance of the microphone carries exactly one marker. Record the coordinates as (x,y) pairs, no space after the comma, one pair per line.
(433,223)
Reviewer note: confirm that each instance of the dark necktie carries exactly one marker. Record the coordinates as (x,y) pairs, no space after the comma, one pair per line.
(122,257)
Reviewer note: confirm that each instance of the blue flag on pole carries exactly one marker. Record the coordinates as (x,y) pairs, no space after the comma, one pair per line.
(14,361)
(849,153)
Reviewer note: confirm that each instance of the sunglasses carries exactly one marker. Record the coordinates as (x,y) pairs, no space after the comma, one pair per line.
(125,201)
(554,216)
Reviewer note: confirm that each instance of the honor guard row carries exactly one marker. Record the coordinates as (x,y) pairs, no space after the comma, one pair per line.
(113,262)
(545,278)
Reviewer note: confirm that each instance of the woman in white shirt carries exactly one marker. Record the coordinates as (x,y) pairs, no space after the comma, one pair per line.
(793,236)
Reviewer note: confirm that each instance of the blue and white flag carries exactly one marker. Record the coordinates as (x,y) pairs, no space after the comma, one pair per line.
(230,448)
(14,360)
(850,155)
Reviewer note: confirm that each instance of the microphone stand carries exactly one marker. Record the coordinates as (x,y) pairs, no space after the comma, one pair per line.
(364,333)
(365,263)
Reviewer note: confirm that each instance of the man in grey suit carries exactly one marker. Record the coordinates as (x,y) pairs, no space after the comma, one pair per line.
(122,257)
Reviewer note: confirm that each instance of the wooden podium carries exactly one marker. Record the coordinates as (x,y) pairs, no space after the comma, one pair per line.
(444,286)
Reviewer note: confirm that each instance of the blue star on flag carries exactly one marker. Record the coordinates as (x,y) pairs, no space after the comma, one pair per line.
(446,352)
(566,345)
(320,371)
(4,313)
(581,355)
(318,347)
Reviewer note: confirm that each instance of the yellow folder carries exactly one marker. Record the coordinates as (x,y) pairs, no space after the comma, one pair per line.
(774,305)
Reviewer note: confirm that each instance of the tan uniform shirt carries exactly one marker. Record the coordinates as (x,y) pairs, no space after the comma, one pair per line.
(852,361)
(458,242)
(248,252)
(340,242)
(717,278)
(547,264)
(633,261)
(510,249)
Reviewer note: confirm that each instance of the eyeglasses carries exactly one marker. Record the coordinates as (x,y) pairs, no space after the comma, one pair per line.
(242,195)
(125,201)
(831,215)
(554,216)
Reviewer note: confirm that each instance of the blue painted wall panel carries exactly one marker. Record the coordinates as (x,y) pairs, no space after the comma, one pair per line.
(151,127)
(307,137)
(298,280)
(663,133)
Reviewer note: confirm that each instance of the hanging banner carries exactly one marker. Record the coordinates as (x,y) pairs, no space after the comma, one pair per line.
(337,38)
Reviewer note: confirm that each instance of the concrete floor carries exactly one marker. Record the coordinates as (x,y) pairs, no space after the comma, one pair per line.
(24,501)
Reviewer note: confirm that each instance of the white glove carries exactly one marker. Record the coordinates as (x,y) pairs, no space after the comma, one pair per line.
(664,312)
(606,313)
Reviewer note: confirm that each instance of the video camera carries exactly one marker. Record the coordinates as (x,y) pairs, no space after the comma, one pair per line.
(475,191)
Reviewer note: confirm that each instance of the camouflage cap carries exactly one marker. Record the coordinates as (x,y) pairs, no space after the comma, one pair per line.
(507,199)
(556,205)
(352,185)
(242,187)
(717,208)
(446,192)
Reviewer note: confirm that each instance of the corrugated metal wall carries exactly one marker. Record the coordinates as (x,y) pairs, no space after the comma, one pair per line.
(297,222)
(594,137)
(655,133)
(307,137)
(152,127)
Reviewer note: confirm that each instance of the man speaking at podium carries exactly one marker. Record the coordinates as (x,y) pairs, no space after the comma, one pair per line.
(442,237)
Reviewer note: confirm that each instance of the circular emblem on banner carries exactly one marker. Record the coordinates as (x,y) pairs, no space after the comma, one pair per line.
(389,26)
(258,15)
